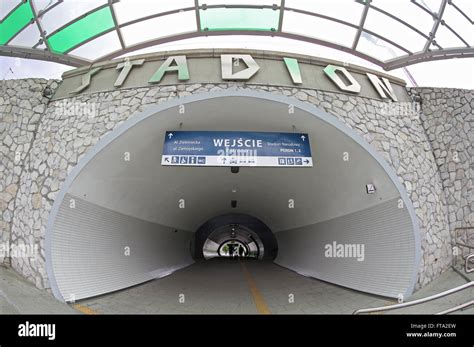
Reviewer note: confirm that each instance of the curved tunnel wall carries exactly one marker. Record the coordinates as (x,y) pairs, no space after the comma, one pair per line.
(98,250)
(62,266)
(379,257)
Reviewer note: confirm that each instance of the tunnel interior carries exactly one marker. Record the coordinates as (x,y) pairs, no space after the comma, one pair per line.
(122,218)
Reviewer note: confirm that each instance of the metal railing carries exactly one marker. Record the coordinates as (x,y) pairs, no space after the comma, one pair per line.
(421,301)
(464,244)
(456,308)
(457,237)
(468,260)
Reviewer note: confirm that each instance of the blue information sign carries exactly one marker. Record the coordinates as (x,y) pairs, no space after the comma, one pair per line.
(236,148)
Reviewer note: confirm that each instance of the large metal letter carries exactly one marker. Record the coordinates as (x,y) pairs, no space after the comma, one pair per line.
(86,80)
(181,66)
(126,67)
(331,72)
(382,88)
(227,67)
(294,70)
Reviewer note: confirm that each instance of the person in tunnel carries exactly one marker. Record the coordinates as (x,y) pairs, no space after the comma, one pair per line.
(241,251)
(231,249)
(235,253)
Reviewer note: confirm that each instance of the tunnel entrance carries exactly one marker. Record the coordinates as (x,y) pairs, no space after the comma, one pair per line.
(120,220)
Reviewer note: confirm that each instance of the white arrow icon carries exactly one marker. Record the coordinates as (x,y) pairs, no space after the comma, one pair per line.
(170,135)
(303,137)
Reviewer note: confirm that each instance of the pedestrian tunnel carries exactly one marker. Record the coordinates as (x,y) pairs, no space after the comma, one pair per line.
(121,218)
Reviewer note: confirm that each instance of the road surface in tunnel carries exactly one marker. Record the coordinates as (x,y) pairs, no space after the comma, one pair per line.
(231,286)
(19,296)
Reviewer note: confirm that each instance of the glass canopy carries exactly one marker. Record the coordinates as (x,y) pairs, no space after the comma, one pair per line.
(389,33)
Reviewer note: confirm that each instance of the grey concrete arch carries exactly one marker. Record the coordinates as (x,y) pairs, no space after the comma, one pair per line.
(413,265)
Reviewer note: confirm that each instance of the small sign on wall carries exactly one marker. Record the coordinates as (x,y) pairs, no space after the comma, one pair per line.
(370,188)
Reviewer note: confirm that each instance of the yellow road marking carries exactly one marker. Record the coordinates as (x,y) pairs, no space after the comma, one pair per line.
(262,307)
(84,309)
(386,303)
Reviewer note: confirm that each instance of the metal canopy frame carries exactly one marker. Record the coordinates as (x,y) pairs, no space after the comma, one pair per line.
(430,52)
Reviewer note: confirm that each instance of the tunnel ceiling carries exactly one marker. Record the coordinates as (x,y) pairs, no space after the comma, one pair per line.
(144,189)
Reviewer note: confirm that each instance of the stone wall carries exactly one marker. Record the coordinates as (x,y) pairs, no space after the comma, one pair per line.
(70,127)
(22,106)
(448,120)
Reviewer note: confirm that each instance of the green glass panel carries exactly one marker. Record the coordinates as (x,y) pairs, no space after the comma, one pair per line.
(91,25)
(15,22)
(214,19)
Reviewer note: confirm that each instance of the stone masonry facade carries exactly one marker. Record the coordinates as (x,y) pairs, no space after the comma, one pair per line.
(52,137)
(22,106)
(448,119)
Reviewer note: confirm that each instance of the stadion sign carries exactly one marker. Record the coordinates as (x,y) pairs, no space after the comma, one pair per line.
(229,63)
